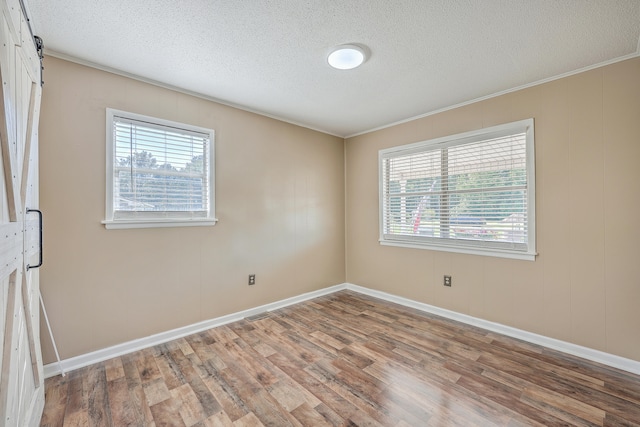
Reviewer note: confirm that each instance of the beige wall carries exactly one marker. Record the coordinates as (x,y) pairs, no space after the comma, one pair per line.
(279,199)
(584,286)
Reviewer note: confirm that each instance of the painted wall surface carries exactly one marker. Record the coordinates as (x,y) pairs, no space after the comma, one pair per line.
(584,286)
(279,201)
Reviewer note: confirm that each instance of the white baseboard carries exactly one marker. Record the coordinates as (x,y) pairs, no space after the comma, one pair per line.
(81,361)
(77,362)
(608,359)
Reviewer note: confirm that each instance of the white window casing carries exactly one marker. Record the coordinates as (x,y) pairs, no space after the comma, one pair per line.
(470,193)
(159,173)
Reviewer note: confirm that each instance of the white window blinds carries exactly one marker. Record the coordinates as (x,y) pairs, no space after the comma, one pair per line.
(160,170)
(471,191)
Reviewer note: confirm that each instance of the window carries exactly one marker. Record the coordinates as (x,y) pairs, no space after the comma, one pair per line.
(470,193)
(159,173)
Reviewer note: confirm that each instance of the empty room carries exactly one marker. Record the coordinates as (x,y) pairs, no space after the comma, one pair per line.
(320,213)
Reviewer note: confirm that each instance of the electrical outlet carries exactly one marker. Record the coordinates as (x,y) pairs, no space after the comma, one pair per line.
(252,279)
(447,281)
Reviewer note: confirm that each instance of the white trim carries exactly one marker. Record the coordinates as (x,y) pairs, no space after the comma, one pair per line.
(524,256)
(497,94)
(132,76)
(97,356)
(608,359)
(486,248)
(113,220)
(122,224)
(81,361)
(75,60)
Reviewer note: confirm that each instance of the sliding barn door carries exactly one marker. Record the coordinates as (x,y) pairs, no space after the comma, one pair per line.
(21,381)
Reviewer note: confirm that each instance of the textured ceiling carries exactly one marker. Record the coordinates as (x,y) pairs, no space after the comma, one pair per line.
(269,56)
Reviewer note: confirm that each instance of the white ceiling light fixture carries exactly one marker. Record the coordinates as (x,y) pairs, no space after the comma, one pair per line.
(346,57)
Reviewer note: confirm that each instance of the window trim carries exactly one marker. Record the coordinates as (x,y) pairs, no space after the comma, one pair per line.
(154,219)
(523,126)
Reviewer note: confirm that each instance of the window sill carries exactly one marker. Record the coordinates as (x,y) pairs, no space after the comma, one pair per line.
(161,223)
(525,256)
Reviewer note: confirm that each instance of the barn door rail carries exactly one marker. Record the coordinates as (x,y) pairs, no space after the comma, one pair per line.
(39,212)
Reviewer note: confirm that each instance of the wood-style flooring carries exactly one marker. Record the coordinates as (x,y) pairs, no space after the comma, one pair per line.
(344,360)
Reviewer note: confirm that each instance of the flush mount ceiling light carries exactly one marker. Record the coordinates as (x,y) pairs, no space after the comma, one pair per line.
(346,57)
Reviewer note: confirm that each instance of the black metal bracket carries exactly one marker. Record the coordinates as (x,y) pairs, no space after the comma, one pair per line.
(40,240)
(36,40)
(40,50)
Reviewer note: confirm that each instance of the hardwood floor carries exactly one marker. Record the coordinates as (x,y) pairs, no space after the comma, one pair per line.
(344,360)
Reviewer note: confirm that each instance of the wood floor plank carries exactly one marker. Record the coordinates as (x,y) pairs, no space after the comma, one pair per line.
(147,366)
(123,411)
(546,379)
(113,369)
(309,417)
(190,408)
(360,394)
(76,419)
(330,415)
(55,402)
(344,359)
(316,387)
(136,391)
(253,363)
(563,407)
(506,397)
(200,344)
(98,396)
(76,402)
(232,404)
(169,370)
(615,421)
(249,420)
(166,414)
(221,419)
(195,383)
(156,391)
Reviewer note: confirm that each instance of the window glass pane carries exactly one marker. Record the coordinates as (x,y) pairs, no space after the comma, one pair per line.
(159,168)
(469,191)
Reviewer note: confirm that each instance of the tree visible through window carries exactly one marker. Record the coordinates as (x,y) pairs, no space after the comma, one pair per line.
(159,171)
(470,193)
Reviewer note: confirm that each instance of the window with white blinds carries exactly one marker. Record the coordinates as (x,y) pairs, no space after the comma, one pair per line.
(471,193)
(159,173)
